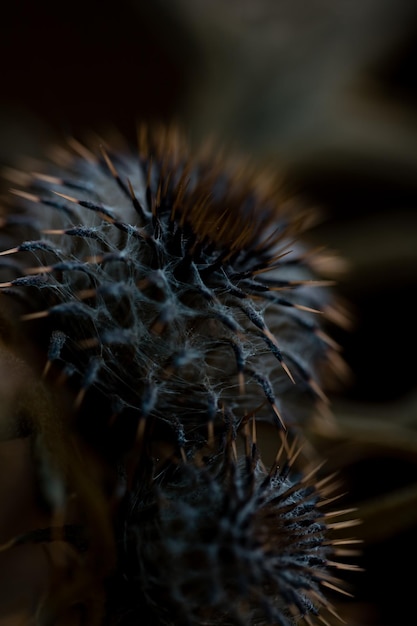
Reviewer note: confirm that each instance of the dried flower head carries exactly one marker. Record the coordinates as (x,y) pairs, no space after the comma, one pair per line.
(223,540)
(168,288)
(170,295)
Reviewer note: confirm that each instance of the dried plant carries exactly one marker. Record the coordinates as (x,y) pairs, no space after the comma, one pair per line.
(171,297)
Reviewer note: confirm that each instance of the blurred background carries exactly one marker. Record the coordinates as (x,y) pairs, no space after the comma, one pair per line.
(326,91)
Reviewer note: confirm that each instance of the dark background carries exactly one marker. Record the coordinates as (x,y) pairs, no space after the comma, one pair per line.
(328,92)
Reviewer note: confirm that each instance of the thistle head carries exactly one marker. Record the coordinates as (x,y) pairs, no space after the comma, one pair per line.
(169,288)
(173,296)
(221,539)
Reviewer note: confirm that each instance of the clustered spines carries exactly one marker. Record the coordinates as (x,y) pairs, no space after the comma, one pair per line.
(271,525)
(174,298)
(176,226)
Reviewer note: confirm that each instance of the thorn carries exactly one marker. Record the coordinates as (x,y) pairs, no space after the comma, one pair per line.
(279,416)
(338,317)
(345,542)
(333,611)
(48,178)
(86,293)
(313,472)
(25,195)
(272,264)
(285,446)
(293,456)
(15,176)
(346,524)
(34,316)
(335,588)
(66,197)
(273,340)
(327,339)
(318,391)
(330,500)
(46,269)
(101,211)
(323,621)
(308,309)
(312,283)
(81,150)
(254,429)
(348,553)
(287,371)
(341,512)
(345,566)
(109,163)
(136,204)
(325,480)
(10,251)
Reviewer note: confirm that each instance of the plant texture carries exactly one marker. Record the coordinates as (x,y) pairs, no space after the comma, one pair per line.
(170,297)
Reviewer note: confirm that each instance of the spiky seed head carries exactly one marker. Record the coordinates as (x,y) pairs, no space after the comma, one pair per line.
(223,540)
(168,287)
(173,294)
